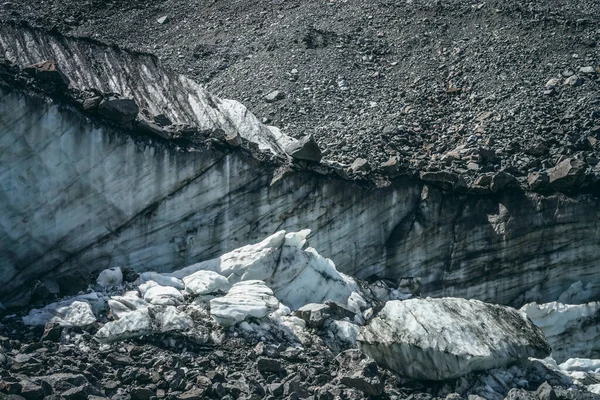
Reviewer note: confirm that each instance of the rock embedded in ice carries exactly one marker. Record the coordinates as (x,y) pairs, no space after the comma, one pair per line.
(244,299)
(437,339)
(571,329)
(156,294)
(128,302)
(205,282)
(154,319)
(66,313)
(110,277)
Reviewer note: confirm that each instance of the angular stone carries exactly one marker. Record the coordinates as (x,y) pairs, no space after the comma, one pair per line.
(568,174)
(122,111)
(545,392)
(391,166)
(365,379)
(275,96)
(444,338)
(305,149)
(52,332)
(141,393)
(360,165)
(272,365)
(439,177)
(92,103)
(501,181)
(537,180)
(48,71)
(314,314)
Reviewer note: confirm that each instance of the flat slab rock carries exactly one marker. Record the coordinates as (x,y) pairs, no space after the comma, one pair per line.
(437,339)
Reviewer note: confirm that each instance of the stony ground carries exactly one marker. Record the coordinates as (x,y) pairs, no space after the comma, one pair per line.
(513,84)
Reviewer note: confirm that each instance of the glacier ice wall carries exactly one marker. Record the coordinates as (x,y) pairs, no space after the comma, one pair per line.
(78,195)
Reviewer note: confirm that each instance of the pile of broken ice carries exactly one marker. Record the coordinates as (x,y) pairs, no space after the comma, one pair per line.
(278,282)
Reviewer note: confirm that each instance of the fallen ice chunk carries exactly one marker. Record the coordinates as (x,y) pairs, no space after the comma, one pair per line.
(110,277)
(154,319)
(66,313)
(296,276)
(205,282)
(128,302)
(437,339)
(161,279)
(572,330)
(244,299)
(156,294)
(580,364)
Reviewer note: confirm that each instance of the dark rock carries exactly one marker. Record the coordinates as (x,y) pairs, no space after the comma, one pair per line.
(152,128)
(52,332)
(443,177)
(81,392)
(275,96)
(122,111)
(360,165)
(501,181)
(10,387)
(314,314)
(276,389)
(538,149)
(537,180)
(305,149)
(364,377)
(193,394)
(72,283)
(40,292)
(519,394)
(47,71)
(92,103)
(295,386)
(391,166)
(141,393)
(568,174)
(545,392)
(162,120)
(265,364)
(119,359)
(31,391)
(64,381)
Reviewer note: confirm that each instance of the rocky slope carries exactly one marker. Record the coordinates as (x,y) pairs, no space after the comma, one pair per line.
(466,86)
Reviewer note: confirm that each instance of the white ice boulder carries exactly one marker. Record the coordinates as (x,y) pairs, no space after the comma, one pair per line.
(296,276)
(161,279)
(244,299)
(110,277)
(154,319)
(156,294)
(205,282)
(571,329)
(128,302)
(437,339)
(66,313)
(581,364)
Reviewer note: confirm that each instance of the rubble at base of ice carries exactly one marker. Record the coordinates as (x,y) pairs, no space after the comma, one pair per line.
(438,339)
(276,291)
